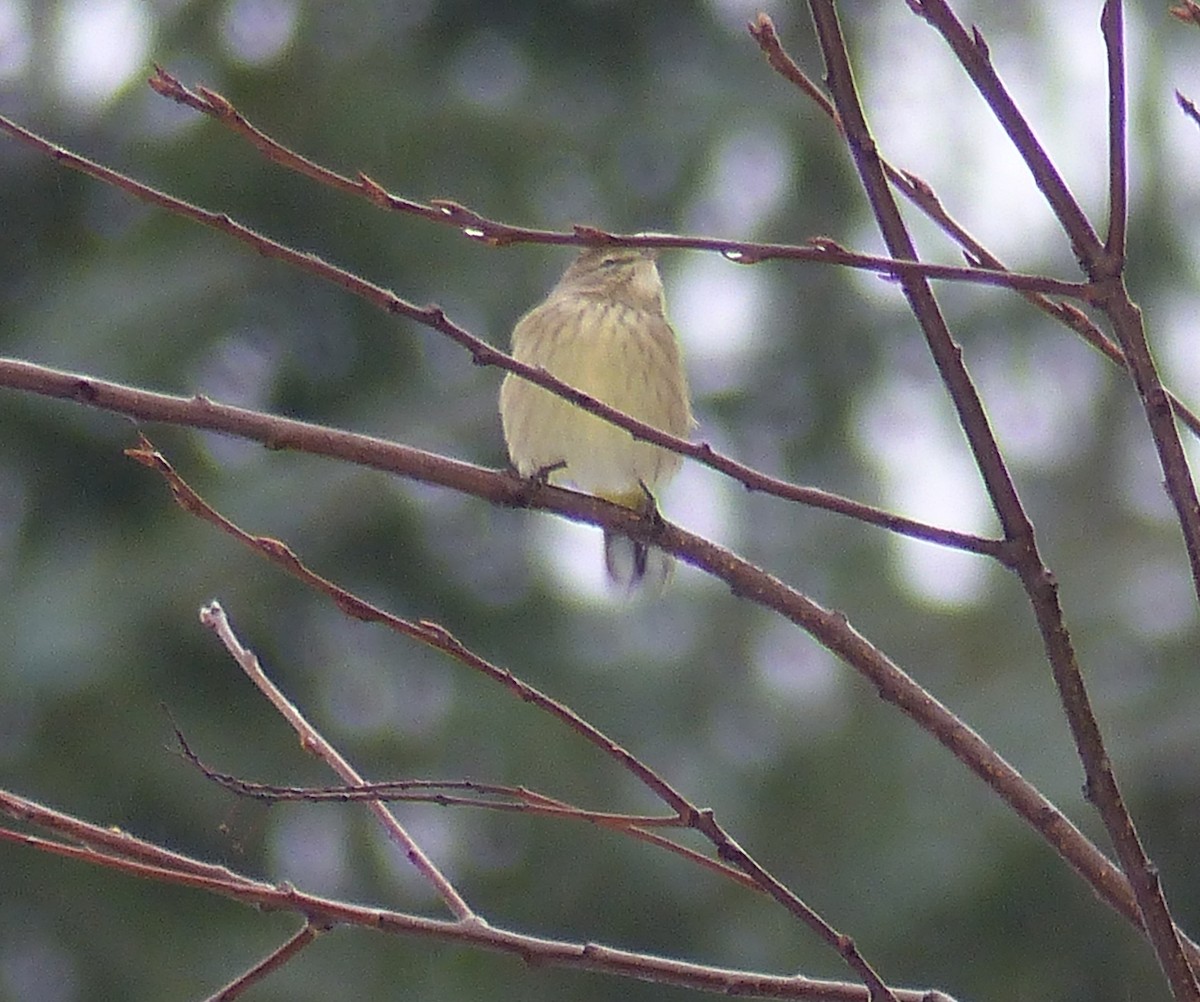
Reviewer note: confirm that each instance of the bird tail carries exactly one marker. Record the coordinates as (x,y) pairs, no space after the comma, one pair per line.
(632,565)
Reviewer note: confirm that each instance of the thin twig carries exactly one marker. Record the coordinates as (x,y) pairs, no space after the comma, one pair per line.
(441,639)
(922,195)
(213,617)
(828,628)
(1142,874)
(1113,29)
(91,842)
(1105,269)
(974,56)
(496,233)
(274,960)
(587,956)
(492,485)
(492,796)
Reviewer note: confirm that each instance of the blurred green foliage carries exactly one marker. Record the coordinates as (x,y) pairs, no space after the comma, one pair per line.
(625,115)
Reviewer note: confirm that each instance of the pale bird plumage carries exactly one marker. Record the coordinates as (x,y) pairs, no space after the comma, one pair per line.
(604,330)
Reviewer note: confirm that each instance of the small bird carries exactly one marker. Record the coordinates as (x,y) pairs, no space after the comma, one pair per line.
(604,330)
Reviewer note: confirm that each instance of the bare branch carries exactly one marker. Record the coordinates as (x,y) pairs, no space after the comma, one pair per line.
(187,872)
(1106,272)
(272,962)
(491,485)
(762,29)
(945,352)
(973,54)
(920,194)
(484,354)
(488,796)
(491,231)
(829,628)
(440,639)
(1188,106)
(213,617)
(1113,29)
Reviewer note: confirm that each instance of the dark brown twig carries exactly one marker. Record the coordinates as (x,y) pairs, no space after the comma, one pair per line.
(142,859)
(495,233)
(1188,106)
(439,638)
(272,962)
(829,628)
(1113,29)
(489,796)
(973,53)
(920,194)
(1104,266)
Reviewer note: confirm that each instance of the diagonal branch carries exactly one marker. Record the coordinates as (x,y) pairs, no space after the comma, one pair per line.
(213,617)
(920,194)
(469,793)
(974,56)
(1101,780)
(198,412)
(484,354)
(272,962)
(439,638)
(1104,270)
(946,354)
(829,628)
(496,233)
(144,859)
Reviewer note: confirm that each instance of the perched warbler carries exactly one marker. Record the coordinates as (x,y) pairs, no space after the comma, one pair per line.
(604,330)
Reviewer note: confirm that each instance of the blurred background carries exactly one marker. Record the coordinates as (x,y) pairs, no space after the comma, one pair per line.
(634,117)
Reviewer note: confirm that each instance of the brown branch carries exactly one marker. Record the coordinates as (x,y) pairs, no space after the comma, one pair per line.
(920,194)
(829,628)
(762,30)
(490,796)
(946,354)
(277,433)
(107,845)
(425,631)
(1038,581)
(974,56)
(213,617)
(440,639)
(1113,29)
(1189,107)
(484,354)
(184,871)
(306,936)
(1105,270)
(496,233)
(1144,875)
